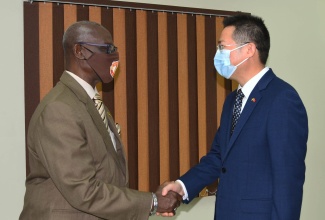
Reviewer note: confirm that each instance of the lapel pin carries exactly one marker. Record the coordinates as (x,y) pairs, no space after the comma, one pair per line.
(253,100)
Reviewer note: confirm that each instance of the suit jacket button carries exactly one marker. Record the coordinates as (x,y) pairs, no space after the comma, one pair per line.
(223,170)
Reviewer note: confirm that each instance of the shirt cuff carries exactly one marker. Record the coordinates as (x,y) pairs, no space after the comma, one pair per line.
(185,197)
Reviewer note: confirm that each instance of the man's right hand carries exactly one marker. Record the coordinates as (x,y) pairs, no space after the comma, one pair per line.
(167,190)
(168,202)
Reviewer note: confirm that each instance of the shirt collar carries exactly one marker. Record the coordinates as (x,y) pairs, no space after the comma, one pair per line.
(249,86)
(87,87)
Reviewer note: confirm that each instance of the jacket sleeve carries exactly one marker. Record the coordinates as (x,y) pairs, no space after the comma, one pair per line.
(205,173)
(287,132)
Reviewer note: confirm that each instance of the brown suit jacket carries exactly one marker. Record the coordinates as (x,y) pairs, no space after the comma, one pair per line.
(75,172)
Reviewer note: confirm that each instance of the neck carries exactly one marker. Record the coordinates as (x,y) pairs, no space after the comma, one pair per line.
(245,74)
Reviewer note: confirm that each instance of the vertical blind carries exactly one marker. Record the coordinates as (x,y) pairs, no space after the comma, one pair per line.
(166,96)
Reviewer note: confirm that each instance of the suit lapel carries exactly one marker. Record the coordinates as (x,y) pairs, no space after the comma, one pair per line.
(81,94)
(251,103)
(247,111)
(119,148)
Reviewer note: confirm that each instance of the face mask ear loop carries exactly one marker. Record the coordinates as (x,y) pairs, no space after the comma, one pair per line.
(238,47)
(241,62)
(93,68)
(92,53)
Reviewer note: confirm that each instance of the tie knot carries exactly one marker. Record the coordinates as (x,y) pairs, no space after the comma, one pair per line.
(97,98)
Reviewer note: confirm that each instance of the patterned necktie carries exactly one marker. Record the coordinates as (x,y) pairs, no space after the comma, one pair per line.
(101,110)
(100,107)
(237,108)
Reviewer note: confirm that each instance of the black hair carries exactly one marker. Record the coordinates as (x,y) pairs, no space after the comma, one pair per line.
(249,28)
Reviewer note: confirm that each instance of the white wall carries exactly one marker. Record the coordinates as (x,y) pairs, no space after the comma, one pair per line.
(12,122)
(297,55)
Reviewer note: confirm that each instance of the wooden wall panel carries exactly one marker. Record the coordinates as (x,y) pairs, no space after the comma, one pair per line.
(201,84)
(163,97)
(108,88)
(70,15)
(143,130)
(132,95)
(31,64)
(45,49)
(120,98)
(58,31)
(166,96)
(192,90)
(153,100)
(173,96)
(183,99)
(211,77)
(95,16)
(220,84)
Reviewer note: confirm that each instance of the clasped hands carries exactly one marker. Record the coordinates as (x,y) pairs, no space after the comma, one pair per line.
(169,195)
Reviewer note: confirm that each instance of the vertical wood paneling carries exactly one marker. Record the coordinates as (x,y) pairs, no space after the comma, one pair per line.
(31,64)
(201,80)
(211,77)
(132,98)
(183,99)
(234,85)
(220,84)
(45,49)
(143,142)
(58,31)
(120,78)
(95,16)
(173,96)
(163,97)
(153,99)
(70,15)
(82,13)
(193,89)
(108,88)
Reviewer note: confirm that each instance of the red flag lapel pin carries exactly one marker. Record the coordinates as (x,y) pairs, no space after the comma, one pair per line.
(253,100)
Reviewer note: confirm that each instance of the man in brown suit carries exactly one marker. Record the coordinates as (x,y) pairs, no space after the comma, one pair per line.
(78,169)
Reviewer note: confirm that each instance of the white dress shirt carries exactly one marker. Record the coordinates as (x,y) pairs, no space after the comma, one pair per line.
(250,85)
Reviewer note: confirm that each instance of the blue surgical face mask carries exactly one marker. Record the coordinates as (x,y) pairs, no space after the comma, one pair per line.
(222,62)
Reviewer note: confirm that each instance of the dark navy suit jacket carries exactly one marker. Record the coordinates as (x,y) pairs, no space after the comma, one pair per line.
(261,167)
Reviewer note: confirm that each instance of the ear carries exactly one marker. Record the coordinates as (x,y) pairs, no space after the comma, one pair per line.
(77,51)
(251,49)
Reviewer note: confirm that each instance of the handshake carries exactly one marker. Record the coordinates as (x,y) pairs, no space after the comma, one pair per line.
(169,196)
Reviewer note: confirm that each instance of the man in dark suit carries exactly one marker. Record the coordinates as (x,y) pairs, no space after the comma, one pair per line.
(259,149)
(78,169)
